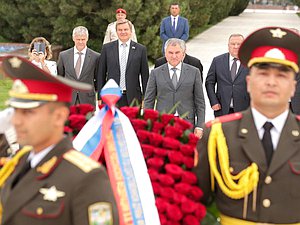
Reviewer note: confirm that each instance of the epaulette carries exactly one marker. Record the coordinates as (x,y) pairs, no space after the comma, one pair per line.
(81,161)
(225,118)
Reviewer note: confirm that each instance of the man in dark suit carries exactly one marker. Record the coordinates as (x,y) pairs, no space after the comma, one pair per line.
(48,182)
(174,26)
(254,171)
(177,84)
(79,63)
(188,59)
(229,75)
(125,61)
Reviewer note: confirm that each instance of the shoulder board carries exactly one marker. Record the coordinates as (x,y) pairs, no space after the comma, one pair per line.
(225,118)
(81,161)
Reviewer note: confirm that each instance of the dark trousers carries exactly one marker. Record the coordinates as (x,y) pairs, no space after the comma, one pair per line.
(123,101)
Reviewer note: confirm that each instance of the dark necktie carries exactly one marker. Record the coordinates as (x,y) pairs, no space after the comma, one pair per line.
(174,77)
(26,167)
(78,64)
(173,24)
(233,69)
(267,141)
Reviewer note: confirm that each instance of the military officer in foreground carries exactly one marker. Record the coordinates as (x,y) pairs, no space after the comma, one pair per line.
(249,161)
(48,182)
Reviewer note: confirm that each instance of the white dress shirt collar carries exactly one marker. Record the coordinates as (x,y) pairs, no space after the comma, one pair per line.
(36,158)
(127,43)
(83,50)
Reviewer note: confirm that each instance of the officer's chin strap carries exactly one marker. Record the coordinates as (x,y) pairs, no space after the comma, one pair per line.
(9,167)
(234,186)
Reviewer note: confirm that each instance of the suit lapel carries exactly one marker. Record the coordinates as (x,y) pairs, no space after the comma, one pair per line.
(131,49)
(28,186)
(183,75)
(288,144)
(86,63)
(226,66)
(166,74)
(70,62)
(250,141)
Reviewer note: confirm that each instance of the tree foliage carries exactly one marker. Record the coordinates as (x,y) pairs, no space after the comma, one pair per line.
(55,19)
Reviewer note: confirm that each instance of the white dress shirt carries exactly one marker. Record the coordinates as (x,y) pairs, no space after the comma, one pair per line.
(278,123)
(176,20)
(35,158)
(238,63)
(76,55)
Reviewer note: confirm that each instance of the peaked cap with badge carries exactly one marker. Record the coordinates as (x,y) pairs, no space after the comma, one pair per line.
(271,45)
(232,165)
(66,187)
(33,86)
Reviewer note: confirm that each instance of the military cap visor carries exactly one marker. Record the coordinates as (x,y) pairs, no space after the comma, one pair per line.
(33,86)
(271,45)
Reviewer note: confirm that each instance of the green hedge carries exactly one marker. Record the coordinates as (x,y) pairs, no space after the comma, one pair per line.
(55,19)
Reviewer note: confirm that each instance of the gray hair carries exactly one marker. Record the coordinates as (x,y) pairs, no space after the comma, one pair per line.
(235,35)
(80,30)
(174,42)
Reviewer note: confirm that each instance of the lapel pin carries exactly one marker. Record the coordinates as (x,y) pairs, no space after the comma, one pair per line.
(51,194)
(295,133)
(133,47)
(244,131)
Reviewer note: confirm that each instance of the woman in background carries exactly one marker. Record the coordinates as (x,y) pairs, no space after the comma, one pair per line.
(39,54)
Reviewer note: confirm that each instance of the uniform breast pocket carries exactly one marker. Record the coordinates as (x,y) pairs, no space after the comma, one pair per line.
(41,208)
(236,167)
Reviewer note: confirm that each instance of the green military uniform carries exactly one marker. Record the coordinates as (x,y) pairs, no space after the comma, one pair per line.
(66,187)
(278,193)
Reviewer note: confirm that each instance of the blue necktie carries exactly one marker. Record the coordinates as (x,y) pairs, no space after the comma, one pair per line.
(173,24)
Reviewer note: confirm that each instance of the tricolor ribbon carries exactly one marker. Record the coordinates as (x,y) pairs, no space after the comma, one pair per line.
(109,132)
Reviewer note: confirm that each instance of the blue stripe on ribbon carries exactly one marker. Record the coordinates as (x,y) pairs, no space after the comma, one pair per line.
(111,91)
(128,174)
(91,145)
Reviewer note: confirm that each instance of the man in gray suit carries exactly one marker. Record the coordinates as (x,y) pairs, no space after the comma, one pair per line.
(229,75)
(79,63)
(177,84)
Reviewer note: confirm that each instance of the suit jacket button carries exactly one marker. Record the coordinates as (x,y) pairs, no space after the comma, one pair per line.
(266,203)
(268,179)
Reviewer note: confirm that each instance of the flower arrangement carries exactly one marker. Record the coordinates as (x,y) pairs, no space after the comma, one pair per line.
(79,115)
(168,146)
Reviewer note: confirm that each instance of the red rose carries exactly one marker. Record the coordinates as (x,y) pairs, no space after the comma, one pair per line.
(157,127)
(193,139)
(138,124)
(195,193)
(187,150)
(189,162)
(166,180)
(147,150)
(156,188)
(189,177)
(175,157)
(182,188)
(156,139)
(73,109)
(166,192)
(200,211)
(77,121)
(163,219)
(188,206)
(190,220)
(143,136)
(166,118)
(172,222)
(84,109)
(174,170)
(171,143)
(182,124)
(173,132)
(130,112)
(155,163)
(178,198)
(150,114)
(161,204)
(153,174)
(174,213)
(68,130)
(160,152)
